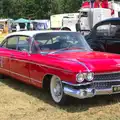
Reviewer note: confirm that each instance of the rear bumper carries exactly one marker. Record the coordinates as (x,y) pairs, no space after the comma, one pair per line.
(87,92)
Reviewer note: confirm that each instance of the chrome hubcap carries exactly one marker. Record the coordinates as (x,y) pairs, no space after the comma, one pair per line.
(56,89)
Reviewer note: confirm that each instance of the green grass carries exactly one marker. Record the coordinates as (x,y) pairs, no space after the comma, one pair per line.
(19,101)
(1,39)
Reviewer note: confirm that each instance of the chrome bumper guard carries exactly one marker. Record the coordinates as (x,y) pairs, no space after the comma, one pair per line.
(86,93)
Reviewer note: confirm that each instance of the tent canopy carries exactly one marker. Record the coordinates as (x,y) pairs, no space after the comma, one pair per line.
(22,20)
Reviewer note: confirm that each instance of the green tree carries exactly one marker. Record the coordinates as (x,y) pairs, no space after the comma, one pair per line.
(37,9)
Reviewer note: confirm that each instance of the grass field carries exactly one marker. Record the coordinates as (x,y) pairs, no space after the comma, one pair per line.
(1,38)
(23,102)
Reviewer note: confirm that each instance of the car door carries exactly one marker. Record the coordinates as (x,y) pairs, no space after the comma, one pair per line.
(42,42)
(113,43)
(19,65)
(8,46)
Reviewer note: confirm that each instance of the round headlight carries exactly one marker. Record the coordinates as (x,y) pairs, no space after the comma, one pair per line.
(90,76)
(80,77)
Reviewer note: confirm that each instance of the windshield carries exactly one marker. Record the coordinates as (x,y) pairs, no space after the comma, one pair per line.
(56,41)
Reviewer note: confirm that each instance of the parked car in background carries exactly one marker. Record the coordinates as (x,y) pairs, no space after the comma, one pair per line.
(61,61)
(105,36)
(41,24)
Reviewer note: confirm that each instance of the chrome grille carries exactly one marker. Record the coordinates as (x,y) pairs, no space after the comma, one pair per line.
(110,76)
(104,85)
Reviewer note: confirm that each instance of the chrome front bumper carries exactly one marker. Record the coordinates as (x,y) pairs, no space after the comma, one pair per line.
(86,93)
(81,93)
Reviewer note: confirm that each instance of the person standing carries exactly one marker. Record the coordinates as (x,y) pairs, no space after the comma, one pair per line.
(17,27)
(5,29)
(28,26)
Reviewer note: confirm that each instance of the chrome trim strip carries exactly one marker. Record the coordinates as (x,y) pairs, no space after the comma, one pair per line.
(22,75)
(37,81)
(106,81)
(5,69)
(106,73)
(40,64)
(51,66)
(84,66)
(19,75)
(88,83)
(68,83)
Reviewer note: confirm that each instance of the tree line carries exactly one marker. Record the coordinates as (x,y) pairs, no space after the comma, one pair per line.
(37,9)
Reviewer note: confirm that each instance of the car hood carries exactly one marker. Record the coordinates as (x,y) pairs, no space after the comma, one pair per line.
(92,61)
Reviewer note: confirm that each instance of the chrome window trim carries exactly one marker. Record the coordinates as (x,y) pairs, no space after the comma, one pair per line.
(6,40)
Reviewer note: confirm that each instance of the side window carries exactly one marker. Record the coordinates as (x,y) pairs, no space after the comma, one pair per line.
(41,42)
(115,31)
(12,42)
(43,39)
(23,43)
(103,30)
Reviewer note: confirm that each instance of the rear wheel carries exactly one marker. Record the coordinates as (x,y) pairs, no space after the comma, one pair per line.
(56,90)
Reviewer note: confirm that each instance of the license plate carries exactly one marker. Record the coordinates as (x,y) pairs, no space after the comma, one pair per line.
(116,89)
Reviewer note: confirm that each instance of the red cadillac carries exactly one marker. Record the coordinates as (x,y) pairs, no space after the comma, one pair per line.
(61,61)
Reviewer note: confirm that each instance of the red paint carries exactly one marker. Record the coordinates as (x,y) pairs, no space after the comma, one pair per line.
(65,65)
(96,4)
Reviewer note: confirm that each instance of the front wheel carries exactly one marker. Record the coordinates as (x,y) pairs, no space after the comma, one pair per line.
(56,91)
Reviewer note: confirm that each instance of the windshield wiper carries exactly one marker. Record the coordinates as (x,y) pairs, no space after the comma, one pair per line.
(68,48)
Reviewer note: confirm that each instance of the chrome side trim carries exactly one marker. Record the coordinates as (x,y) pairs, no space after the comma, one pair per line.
(19,75)
(37,81)
(51,66)
(41,64)
(5,69)
(32,79)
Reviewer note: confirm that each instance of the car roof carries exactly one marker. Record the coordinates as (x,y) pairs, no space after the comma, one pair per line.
(107,21)
(32,33)
(111,19)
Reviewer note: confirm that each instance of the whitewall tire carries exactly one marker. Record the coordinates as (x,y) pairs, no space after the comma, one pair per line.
(56,91)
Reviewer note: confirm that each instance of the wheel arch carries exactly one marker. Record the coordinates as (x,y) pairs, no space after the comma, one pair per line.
(46,80)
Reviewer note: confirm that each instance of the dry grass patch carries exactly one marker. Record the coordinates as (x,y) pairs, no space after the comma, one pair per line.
(1,39)
(23,102)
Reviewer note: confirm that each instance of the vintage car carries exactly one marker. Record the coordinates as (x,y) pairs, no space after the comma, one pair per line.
(61,61)
(105,36)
